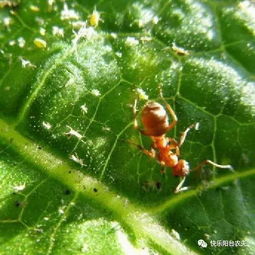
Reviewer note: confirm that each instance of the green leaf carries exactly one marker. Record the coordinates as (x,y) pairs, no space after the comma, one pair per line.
(72,182)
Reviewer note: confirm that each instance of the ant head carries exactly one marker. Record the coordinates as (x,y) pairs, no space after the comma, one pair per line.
(154,119)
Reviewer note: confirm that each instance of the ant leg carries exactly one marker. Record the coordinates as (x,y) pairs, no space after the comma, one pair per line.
(174,145)
(170,110)
(173,115)
(179,188)
(184,134)
(135,115)
(151,153)
(135,119)
(213,164)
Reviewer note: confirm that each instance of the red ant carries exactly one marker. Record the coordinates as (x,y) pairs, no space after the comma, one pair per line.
(165,150)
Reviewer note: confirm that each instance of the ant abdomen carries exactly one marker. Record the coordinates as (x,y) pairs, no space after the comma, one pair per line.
(154,119)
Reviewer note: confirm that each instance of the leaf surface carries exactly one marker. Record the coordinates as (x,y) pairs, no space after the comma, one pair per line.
(72,181)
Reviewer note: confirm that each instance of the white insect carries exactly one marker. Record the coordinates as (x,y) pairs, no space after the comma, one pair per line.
(131,41)
(34,8)
(179,50)
(84,108)
(58,31)
(84,32)
(141,94)
(72,132)
(46,125)
(197,125)
(95,92)
(19,187)
(69,14)
(75,158)
(26,63)
(7,21)
(42,31)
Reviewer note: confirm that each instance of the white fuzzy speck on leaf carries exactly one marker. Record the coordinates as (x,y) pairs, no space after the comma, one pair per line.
(141,94)
(95,92)
(131,41)
(46,125)
(73,132)
(19,187)
(21,42)
(26,63)
(69,14)
(84,108)
(58,31)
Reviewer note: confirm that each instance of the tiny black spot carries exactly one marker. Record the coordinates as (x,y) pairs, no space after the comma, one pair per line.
(39,147)
(95,190)
(17,204)
(158,185)
(67,192)
(69,171)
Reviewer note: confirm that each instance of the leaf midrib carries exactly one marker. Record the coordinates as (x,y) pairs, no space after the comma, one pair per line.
(143,225)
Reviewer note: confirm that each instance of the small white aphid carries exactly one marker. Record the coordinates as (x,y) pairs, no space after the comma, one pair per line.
(69,14)
(40,43)
(19,187)
(58,31)
(26,63)
(40,21)
(179,51)
(95,92)
(175,234)
(72,132)
(78,24)
(84,32)
(118,54)
(146,38)
(76,159)
(106,129)
(84,108)
(113,35)
(12,42)
(61,210)
(141,94)
(34,8)
(197,126)
(7,21)
(131,41)
(46,125)
(21,42)
(42,31)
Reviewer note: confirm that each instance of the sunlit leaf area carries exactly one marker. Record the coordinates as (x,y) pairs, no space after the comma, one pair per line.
(77,177)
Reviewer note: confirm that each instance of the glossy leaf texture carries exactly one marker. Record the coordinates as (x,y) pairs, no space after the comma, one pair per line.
(72,181)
